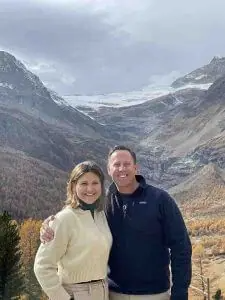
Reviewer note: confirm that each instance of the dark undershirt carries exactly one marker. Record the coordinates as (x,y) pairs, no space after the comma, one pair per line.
(91,207)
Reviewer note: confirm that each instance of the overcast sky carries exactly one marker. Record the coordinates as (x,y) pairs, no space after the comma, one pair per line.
(101,46)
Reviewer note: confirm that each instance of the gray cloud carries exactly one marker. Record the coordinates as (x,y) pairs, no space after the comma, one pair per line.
(108,46)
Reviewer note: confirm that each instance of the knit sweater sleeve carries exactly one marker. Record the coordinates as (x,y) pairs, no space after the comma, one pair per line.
(178,241)
(47,257)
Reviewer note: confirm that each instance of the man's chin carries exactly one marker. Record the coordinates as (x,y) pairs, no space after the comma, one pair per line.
(122,183)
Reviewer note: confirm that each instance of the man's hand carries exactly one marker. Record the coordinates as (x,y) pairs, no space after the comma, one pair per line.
(46,233)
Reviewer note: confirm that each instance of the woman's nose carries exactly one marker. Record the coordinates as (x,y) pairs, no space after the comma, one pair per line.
(89,188)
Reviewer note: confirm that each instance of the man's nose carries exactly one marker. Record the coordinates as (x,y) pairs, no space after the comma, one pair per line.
(121,167)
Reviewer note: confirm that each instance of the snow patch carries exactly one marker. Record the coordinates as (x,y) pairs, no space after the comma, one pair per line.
(6,85)
(190,76)
(178,101)
(200,77)
(201,86)
(58,100)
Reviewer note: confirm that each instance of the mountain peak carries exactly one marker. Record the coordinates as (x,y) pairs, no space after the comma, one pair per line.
(205,75)
(6,55)
(13,73)
(217,59)
(8,63)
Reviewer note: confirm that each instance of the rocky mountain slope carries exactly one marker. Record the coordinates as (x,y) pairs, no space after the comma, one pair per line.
(41,125)
(204,75)
(33,121)
(23,91)
(203,192)
(176,134)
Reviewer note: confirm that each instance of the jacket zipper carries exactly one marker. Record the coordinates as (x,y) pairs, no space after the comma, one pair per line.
(124,210)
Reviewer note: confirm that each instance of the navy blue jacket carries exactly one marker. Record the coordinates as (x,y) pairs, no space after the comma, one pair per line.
(148,233)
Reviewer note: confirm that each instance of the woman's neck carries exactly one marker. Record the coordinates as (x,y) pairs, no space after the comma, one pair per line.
(88,206)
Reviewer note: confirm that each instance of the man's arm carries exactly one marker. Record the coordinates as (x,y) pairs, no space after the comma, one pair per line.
(178,241)
(46,232)
(47,257)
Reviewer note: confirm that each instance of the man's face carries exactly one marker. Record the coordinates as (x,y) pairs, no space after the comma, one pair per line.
(122,169)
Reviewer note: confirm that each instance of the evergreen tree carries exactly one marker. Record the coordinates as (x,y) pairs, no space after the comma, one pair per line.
(11,278)
(218,295)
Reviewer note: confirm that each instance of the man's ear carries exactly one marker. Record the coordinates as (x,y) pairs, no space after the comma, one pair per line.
(137,167)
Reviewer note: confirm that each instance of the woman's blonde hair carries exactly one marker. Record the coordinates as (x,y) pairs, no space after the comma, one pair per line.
(77,172)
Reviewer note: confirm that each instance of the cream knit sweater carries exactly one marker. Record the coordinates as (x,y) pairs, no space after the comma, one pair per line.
(78,253)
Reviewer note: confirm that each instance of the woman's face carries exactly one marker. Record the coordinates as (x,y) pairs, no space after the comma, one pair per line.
(88,187)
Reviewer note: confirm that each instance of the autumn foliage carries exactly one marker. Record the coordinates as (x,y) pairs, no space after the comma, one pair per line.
(30,188)
(29,242)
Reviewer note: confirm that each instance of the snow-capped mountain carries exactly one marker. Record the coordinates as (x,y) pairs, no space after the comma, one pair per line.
(204,75)
(201,78)
(37,121)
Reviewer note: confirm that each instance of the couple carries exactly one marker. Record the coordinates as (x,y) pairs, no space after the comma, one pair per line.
(138,231)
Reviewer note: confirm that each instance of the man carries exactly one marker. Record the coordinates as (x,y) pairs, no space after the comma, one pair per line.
(149,235)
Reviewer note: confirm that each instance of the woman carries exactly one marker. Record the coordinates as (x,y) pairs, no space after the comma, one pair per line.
(74,264)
